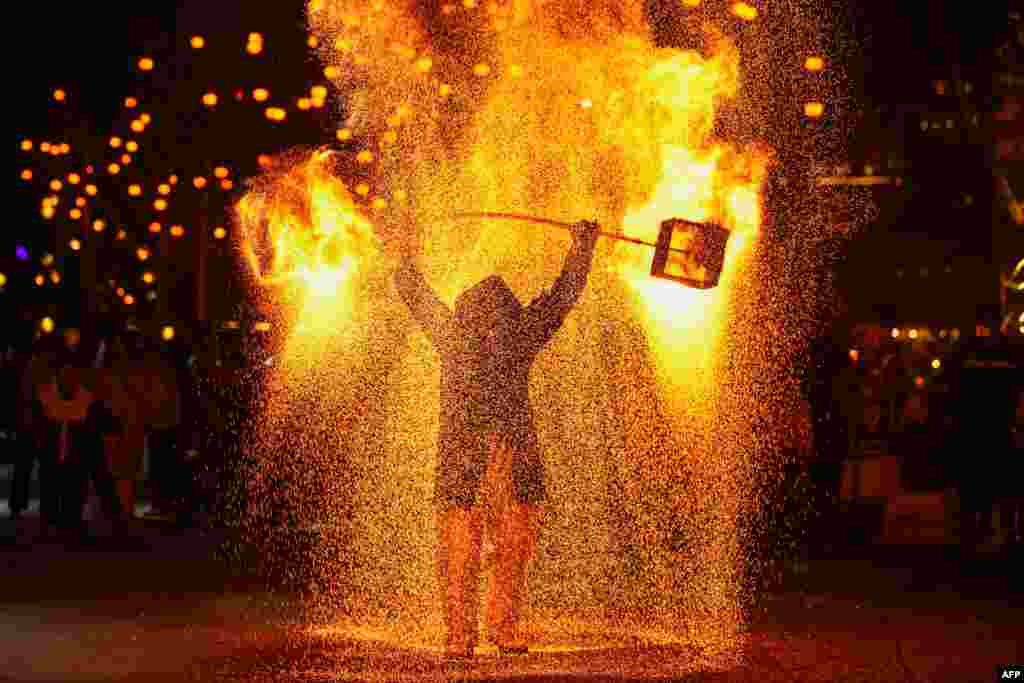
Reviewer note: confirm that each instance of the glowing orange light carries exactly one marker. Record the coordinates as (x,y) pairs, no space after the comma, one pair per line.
(44,147)
(312,41)
(362,189)
(26,145)
(444,90)
(197,42)
(75,244)
(173,180)
(75,214)
(145,118)
(137,126)
(220,172)
(119,291)
(142,253)
(163,188)
(895,333)
(424,64)
(155,227)
(744,11)
(814,110)
(160,204)
(919,381)
(55,277)
(48,212)
(912,334)
(264,161)
(344,134)
(210,99)
(276,114)
(255,44)
(115,142)
(303,104)
(130,103)
(129,299)
(481,69)
(365,156)
(219,233)
(65,148)
(56,185)
(134,190)
(121,234)
(98,225)
(26,174)
(318,92)
(167,333)
(146,64)
(332,73)
(199,182)
(814,63)
(74,178)
(40,281)
(131,146)
(59,95)
(177,231)
(148,277)
(80,202)
(91,190)
(226,184)
(260,94)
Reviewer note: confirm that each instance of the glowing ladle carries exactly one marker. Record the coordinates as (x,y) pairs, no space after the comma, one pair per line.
(686,252)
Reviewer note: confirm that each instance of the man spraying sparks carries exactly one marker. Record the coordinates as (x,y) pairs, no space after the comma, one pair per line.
(490,476)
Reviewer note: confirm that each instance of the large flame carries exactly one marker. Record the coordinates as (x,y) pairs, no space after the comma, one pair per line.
(301,229)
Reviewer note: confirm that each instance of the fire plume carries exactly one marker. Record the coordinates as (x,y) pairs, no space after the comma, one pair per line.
(301,226)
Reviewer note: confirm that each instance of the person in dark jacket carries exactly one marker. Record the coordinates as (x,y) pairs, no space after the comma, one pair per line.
(490,471)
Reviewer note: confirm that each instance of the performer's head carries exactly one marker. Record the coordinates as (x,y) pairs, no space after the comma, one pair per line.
(486,305)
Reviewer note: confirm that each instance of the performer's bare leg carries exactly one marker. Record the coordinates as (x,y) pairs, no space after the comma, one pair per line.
(516,539)
(458,567)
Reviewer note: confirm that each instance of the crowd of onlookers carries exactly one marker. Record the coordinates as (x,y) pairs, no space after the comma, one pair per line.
(951,412)
(85,406)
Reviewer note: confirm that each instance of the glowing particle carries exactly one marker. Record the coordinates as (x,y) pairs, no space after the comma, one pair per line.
(814,110)
(814,63)
(744,11)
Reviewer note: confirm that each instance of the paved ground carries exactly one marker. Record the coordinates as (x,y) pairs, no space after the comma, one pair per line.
(164,610)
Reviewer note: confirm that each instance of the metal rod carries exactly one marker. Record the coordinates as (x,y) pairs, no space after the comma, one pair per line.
(547,221)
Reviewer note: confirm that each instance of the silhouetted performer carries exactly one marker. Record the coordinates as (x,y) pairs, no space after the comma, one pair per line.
(489,470)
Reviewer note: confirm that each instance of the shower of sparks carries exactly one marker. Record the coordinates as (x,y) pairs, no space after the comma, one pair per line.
(655,404)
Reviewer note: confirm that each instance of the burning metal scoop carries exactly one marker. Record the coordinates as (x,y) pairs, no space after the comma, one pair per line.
(686,252)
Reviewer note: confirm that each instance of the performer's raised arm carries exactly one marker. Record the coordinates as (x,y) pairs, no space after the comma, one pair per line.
(547,312)
(433,315)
